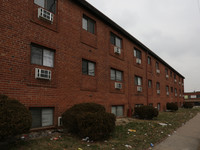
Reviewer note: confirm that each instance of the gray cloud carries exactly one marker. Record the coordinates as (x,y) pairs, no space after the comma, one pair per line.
(168,27)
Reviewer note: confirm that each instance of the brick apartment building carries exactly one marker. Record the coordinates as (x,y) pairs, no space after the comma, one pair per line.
(55,54)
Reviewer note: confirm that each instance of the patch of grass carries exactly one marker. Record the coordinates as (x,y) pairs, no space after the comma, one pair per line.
(147,131)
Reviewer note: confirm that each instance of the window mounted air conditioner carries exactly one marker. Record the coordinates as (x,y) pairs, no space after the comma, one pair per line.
(179,83)
(59,121)
(167,93)
(46,15)
(180,95)
(117,50)
(175,94)
(118,85)
(175,80)
(139,89)
(42,74)
(158,71)
(138,61)
(167,76)
(158,91)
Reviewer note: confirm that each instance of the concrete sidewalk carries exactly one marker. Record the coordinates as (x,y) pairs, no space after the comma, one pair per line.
(186,137)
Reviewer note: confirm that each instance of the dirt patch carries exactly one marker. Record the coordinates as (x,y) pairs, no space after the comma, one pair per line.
(123,121)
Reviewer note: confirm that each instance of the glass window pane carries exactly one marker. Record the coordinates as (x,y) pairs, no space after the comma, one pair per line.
(40,2)
(51,5)
(84,23)
(118,42)
(91,69)
(36,55)
(120,110)
(136,80)
(47,117)
(91,26)
(36,117)
(114,110)
(112,39)
(139,81)
(118,76)
(84,67)
(135,53)
(48,57)
(112,74)
(138,54)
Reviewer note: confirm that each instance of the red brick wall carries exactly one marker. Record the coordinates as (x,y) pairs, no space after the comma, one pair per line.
(20,27)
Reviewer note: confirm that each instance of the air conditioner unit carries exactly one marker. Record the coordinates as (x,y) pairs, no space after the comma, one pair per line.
(167,93)
(158,91)
(59,121)
(46,15)
(117,50)
(180,83)
(158,71)
(175,80)
(180,95)
(175,94)
(118,85)
(138,61)
(167,76)
(139,89)
(42,74)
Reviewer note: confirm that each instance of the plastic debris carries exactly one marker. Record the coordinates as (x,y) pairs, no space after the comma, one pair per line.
(151,145)
(169,135)
(162,124)
(23,137)
(162,132)
(131,130)
(80,149)
(128,146)
(85,139)
(88,145)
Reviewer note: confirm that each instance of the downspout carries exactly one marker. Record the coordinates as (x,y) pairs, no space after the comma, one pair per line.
(147,78)
(129,105)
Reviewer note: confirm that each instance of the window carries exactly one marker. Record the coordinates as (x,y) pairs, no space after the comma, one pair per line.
(42,56)
(42,117)
(158,106)
(117,110)
(198,96)
(49,5)
(116,75)
(88,67)
(172,89)
(166,71)
(137,53)
(175,91)
(149,60)
(151,104)
(115,40)
(157,66)
(138,105)
(138,81)
(88,24)
(170,73)
(174,76)
(157,86)
(149,83)
(167,90)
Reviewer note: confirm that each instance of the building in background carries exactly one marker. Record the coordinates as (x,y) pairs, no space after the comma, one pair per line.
(55,54)
(193,97)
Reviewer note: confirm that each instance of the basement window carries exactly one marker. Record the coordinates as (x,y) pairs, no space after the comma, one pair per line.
(118,111)
(41,117)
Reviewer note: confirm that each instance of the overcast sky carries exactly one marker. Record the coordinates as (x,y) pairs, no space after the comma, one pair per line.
(170,28)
